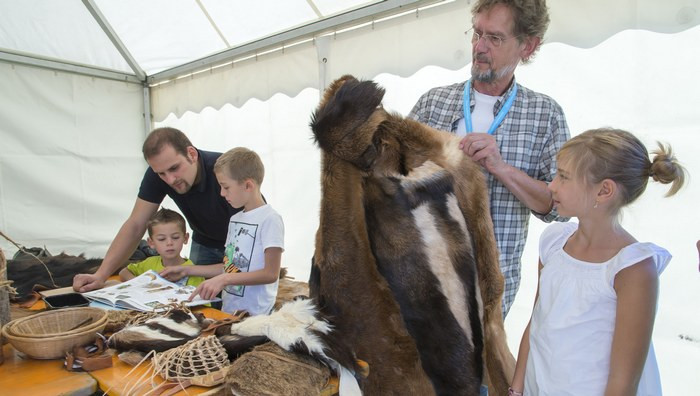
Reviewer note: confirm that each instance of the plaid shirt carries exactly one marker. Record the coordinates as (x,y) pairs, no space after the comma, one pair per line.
(529,138)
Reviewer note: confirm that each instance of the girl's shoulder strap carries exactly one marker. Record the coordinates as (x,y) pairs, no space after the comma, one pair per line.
(635,253)
(554,237)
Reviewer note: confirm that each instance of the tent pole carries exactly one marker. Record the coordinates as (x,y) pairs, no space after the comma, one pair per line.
(147,109)
(114,38)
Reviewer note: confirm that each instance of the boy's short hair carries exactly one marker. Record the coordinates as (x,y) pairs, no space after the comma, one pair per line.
(241,163)
(164,216)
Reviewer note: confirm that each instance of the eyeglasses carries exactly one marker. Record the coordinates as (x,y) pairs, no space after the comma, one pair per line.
(492,39)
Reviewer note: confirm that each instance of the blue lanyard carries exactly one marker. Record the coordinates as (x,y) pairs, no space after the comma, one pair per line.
(499,117)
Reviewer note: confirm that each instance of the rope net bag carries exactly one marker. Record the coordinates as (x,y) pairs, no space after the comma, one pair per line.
(202,361)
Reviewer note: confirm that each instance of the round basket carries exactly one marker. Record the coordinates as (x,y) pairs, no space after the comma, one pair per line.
(54,345)
(60,322)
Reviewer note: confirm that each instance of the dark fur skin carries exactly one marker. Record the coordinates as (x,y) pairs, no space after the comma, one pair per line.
(28,274)
(400,259)
(236,346)
(369,273)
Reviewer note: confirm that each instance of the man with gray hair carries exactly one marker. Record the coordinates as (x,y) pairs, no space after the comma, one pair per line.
(513,132)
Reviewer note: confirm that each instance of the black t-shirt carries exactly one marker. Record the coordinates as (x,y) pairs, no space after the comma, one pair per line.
(206,211)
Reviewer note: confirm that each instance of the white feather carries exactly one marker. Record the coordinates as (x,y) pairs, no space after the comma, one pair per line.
(287,326)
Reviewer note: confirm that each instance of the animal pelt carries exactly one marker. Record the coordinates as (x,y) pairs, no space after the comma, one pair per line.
(28,273)
(406,261)
(289,289)
(271,370)
(236,345)
(159,333)
(298,326)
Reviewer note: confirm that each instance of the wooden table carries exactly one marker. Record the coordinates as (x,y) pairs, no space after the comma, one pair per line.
(20,375)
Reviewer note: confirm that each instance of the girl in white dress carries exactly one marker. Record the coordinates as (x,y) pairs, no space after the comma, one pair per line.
(590,331)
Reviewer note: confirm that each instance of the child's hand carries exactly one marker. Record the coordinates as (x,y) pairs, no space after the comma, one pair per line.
(174,273)
(209,289)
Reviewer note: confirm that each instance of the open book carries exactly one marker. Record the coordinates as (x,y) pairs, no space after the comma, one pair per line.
(146,292)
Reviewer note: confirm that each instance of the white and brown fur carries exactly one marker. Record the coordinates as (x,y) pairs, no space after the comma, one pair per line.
(298,326)
(406,262)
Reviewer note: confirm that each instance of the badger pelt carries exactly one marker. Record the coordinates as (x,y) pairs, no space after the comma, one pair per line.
(159,333)
(298,326)
(405,261)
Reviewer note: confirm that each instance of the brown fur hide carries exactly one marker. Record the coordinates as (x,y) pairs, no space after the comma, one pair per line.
(406,262)
(289,289)
(270,370)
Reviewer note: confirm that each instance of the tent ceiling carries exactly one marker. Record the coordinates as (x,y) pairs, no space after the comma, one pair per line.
(161,42)
(158,34)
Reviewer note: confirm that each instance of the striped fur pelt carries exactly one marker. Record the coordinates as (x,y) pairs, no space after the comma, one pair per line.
(406,262)
(159,333)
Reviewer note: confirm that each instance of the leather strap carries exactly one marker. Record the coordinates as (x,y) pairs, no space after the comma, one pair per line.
(89,358)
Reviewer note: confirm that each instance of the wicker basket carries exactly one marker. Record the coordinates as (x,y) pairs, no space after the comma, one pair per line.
(54,344)
(61,322)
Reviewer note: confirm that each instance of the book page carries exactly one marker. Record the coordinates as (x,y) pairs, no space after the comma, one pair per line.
(146,292)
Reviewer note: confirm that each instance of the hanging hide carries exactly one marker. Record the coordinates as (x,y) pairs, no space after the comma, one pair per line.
(406,262)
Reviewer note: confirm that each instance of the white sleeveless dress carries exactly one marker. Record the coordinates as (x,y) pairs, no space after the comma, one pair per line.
(574,318)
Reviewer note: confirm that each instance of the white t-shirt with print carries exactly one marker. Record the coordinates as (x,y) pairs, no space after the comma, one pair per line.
(249,234)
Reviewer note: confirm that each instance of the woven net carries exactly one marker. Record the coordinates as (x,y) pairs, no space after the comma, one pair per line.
(203,361)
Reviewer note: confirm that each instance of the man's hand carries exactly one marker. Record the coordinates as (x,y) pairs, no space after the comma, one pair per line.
(85,282)
(210,288)
(174,273)
(483,149)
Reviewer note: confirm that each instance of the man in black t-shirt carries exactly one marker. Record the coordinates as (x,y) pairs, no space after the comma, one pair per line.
(185,174)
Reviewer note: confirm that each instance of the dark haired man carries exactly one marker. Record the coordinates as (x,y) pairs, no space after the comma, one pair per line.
(185,174)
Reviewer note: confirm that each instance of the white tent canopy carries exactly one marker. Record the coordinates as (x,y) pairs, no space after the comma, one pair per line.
(82,82)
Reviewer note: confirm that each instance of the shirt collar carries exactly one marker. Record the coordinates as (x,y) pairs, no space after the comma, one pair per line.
(472,100)
(201,173)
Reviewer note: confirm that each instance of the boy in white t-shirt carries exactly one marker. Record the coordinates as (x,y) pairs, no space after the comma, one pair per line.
(249,276)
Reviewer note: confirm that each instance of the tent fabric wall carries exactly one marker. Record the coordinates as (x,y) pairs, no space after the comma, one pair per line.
(285,72)
(69,158)
(401,46)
